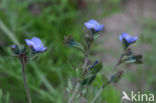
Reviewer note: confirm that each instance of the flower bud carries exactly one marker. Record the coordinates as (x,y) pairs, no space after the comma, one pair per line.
(15,49)
(116,77)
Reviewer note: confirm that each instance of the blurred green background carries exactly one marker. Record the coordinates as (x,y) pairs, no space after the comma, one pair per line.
(51,20)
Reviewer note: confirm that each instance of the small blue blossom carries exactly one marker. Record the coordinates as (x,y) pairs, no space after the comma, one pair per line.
(36,44)
(94,25)
(128,38)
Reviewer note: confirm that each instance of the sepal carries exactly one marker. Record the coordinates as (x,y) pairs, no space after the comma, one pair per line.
(116,77)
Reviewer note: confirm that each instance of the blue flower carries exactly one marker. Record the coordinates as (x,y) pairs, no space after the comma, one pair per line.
(94,25)
(129,39)
(36,44)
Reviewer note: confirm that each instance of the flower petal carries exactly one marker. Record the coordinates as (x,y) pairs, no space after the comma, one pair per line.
(92,21)
(128,38)
(93,24)
(36,40)
(99,28)
(44,49)
(89,25)
(124,35)
(133,39)
(29,42)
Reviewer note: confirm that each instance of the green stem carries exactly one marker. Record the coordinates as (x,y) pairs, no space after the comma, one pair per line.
(99,92)
(84,69)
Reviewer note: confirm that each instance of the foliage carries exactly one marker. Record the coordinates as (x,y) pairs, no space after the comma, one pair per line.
(51,20)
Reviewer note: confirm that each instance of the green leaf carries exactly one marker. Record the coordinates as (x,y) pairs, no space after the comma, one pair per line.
(137,59)
(88,80)
(69,41)
(92,74)
(96,68)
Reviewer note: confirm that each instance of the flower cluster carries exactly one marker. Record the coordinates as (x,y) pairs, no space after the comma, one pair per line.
(126,41)
(34,44)
(89,72)
(25,55)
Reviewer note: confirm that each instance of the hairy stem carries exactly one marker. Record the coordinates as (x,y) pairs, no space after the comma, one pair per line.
(118,63)
(86,57)
(84,69)
(99,92)
(25,82)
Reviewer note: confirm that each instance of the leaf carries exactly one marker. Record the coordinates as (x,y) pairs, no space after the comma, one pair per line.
(137,59)
(69,41)
(96,68)
(88,80)
(93,70)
